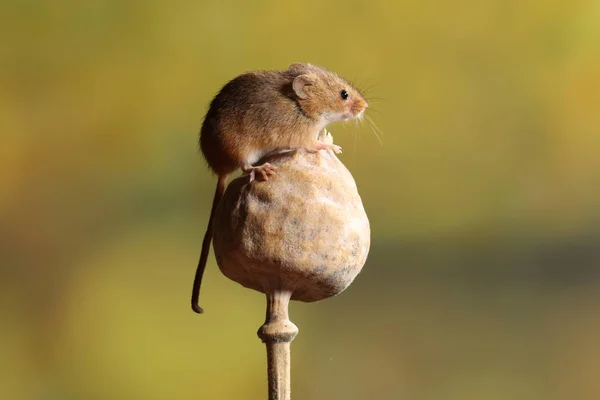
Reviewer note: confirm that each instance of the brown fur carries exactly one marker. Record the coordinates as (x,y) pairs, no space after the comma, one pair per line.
(260,111)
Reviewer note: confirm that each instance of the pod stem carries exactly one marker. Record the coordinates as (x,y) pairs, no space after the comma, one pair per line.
(277,334)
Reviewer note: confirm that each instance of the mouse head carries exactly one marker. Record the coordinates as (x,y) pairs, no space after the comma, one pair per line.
(325,96)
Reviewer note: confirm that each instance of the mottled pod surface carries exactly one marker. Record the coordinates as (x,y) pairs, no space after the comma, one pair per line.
(303,230)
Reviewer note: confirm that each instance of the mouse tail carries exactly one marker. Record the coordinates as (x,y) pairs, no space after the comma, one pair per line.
(221,185)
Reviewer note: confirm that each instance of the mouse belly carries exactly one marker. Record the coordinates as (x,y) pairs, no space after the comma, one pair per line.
(253,156)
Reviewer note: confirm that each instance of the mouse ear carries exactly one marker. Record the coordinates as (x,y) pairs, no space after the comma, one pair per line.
(299,85)
(300,67)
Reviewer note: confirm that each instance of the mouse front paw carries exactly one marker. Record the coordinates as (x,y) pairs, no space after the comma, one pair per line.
(336,149)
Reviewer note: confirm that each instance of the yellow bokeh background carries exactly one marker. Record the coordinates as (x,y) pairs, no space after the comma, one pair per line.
(484,200)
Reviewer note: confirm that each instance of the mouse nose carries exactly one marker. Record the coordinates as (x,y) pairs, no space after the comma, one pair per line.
(358,107)
(363,104)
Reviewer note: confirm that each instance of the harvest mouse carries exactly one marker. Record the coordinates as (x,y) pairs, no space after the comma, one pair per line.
(264,112)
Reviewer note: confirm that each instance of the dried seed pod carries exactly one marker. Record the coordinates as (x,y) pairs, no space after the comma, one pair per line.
(304,230)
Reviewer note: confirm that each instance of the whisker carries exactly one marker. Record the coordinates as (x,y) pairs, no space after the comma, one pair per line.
(365,91)
(378,130)
(377,136)
(374,124)
(375,129)
(354,147)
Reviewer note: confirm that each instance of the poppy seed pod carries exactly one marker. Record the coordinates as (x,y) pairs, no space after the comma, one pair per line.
(304,230)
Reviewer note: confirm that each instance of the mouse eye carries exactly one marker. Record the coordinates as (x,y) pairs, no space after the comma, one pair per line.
(344,95)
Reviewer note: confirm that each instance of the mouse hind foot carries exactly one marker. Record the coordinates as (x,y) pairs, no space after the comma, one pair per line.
(261,172)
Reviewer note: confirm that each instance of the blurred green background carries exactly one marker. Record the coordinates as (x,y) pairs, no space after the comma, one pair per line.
(483,280)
